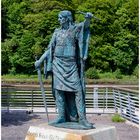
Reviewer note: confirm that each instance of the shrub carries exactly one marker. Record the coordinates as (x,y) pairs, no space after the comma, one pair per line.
(136,71)
(118,74)
(117,118)
(106,75)
(12,71)
(92,73)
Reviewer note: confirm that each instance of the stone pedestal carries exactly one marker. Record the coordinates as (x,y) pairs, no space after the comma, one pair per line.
(46,132)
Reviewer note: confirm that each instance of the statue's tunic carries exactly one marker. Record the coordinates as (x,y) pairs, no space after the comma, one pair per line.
(65,70)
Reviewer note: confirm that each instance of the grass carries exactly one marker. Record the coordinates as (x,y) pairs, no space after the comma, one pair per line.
(105,78)
(23,78)
(110,78)
(117,118)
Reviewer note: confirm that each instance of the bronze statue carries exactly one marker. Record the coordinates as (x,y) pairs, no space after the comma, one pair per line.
(65,60)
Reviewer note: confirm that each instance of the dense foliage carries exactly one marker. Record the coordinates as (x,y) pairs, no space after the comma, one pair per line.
(27,27)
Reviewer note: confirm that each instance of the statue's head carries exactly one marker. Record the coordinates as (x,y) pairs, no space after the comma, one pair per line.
(65,16)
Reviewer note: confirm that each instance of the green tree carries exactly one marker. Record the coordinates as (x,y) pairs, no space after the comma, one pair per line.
(27,27)
(114,39)
(126,39)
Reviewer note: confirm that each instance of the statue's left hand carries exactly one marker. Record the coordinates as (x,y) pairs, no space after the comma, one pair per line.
(37,64)
(88,15)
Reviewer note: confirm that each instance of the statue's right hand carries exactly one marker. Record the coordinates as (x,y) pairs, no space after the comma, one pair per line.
(37,64)
(88,15)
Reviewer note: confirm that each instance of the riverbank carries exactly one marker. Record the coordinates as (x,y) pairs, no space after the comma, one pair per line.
(33,79)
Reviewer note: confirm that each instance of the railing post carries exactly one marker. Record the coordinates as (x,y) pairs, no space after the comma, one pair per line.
(106,96)
(129,106)
(8,104)
(32,100)
(103,102)
(120,102)
(95,97)
(114,101)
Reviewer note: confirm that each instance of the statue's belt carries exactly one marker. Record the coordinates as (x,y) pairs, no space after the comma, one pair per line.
(69,58)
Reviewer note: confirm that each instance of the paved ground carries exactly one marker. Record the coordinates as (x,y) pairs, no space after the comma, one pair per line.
(16,123)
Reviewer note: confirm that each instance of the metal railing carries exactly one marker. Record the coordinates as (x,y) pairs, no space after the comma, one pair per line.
(126,102)
(25,97)
(99,99)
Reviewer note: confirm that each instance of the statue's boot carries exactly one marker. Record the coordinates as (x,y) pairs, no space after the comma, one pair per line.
(60,103)
(80,104)
(85,123)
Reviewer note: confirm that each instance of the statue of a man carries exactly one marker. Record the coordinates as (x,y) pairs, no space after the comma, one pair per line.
(65,58)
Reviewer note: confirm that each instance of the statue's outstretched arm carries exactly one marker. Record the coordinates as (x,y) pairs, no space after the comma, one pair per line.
(88,17)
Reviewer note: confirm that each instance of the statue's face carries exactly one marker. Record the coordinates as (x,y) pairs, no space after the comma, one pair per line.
(62,19)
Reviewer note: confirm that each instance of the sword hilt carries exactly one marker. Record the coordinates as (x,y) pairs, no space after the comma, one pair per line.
(36,59)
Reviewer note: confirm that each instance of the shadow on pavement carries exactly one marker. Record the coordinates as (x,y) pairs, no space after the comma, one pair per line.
(17,117)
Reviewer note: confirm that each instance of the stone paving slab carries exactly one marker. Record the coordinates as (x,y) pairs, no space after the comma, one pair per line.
(15,124)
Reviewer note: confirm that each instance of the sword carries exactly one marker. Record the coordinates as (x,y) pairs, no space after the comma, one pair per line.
(42,90)
(83,13)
